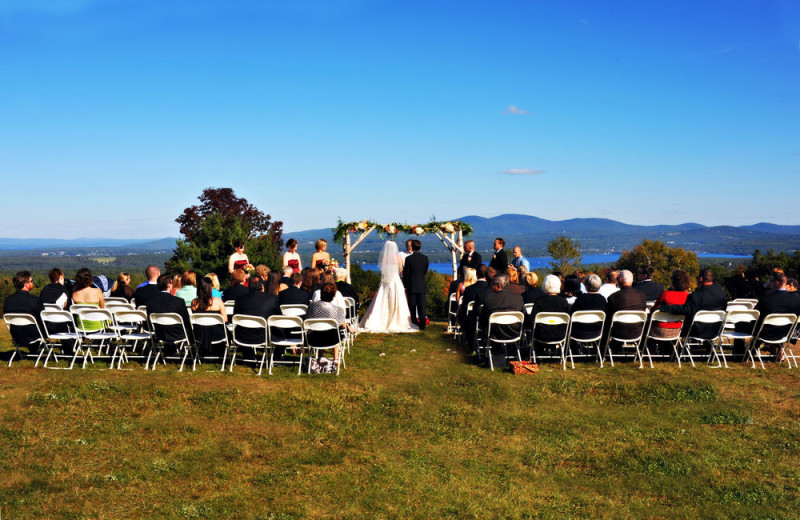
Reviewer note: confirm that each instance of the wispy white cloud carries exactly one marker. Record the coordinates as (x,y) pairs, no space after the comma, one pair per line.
(521,171)
(515,110)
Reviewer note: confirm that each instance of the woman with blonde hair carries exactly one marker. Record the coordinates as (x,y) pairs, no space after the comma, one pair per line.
(513,281)
(122,287)
(470,277)
(215,291)
(321,256)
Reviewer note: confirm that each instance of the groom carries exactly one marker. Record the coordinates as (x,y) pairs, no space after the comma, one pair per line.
(414,269)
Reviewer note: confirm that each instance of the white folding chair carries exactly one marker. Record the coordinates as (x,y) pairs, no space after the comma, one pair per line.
(595,320)
(649,337)
(114,299)
(53,307)
(203,325)
(133,328)
(96,324)
(626,318)
(742,318)
(713,321)
(351,317)
(294,309)
(752,301)
(773,321)
(60,327)
(285,332)
(253,323)
(229,306)
(24,320)
(452,307)
(172,320)
(323,334)
(507,320)
(549,321)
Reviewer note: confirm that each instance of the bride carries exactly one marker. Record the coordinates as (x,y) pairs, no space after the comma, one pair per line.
(388,311)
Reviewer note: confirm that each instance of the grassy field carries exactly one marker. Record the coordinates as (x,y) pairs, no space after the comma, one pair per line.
(420,432)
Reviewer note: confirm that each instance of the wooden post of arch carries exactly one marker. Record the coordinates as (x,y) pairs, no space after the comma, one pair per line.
(347,248)
(449,241)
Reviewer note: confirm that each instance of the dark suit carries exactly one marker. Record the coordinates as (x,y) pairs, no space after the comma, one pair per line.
(651,289)
(588,302)
(499,261)
(348,291)
(705,298)
(504,300)
(414,269)
(531,294)
(255,304)
(550,303)
(626,299)
(23,302)
(474,293)
(294,296)
(776,302)
(234,291)
(165,302)
(52,292)
(471,260)
(145,293)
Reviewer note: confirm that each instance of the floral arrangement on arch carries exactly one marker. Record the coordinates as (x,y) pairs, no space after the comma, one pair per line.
(394,229)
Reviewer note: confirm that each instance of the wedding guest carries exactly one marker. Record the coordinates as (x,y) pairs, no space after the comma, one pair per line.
(522,274)
(591,300)
(23,302)
(188,289)
(675,295)
(470,278)
(286,279)
(708,296)
(272,284)
(470,258)
(55,292)
(474,293)
(165,302)
(238,260)
(237,287)
(256,303)
(206,302)
(552,301)
(513,282)
(347,290)
(571,288)
(626,299)
(779,300)
(500,299)
(290,257)
(294,295)
(532,292)
(321,257)
(325,308)
(652,290)
(122,287)
(262,271)
(609,287)
(214,285)
(145,293)
(176,284)
(338,299)
(499,261)
(791,285)
(85,293)
(518,259)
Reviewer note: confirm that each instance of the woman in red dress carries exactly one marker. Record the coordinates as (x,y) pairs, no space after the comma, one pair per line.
(290,257)
(675,295)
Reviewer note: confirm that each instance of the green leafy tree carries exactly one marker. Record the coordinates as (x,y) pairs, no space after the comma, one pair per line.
(211,228)
(663,258)
(566,254)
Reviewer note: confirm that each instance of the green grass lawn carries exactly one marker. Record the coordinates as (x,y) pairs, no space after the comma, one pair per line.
(420,432)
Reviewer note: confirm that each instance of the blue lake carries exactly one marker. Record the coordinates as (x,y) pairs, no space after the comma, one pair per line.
(538,262)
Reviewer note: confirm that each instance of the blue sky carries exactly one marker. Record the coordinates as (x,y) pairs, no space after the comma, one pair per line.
(116,114)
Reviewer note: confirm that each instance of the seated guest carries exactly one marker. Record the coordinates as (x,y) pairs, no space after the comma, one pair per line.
(294,295)
(122,287)
(144,293)
(257,302)
(552,301)
(325,308)
(519,260)
(321,256)
(311,278)
(676,295)
(791,285)
(286,279)
(513,281)
(470,277)
(609,287)
(532,292)
(591,300)
(165,302)
(290,257)
(522,273)
(500,299)
(237,287)
(338,299)
(86,294)
(214,285)
(23,302)
(55,292)
(347,290)
(651,289)
(626,299)
(262,271)
(476,293)
(778,301)
(708,296)
(206,302)
(571,288)
(188,290)
(177,281)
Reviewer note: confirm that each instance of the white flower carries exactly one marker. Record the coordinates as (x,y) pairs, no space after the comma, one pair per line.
(448,228)
(362,225)
(419,231)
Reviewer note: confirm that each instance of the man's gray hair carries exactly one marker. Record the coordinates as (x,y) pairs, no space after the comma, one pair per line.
(593,283)
(501,280)
(625,278)
(341,274)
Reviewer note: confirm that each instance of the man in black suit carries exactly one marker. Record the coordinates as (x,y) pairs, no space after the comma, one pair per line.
(414,269)
(470,258)
(237,287)
(707,297)
(255,303)
(474,293)
(500,299)
(499,261)
(294,295)
(165,302)
(626,299)
(147,292)
(651,289)
(23,302)
(778,301)
(55,292)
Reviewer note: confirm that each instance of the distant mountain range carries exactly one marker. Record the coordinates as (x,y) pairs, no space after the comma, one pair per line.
(596,236)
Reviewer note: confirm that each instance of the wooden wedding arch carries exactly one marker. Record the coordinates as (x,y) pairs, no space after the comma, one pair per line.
(450,233)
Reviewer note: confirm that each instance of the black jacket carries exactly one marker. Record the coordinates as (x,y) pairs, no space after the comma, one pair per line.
(704,298)
(233,292)
(294,296)
(255,304)
(651,289)
(164,302)
(776,302)
(145,293)
(414,270)
(23,302)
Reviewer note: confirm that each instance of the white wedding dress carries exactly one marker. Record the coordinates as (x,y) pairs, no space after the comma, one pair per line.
(388,312)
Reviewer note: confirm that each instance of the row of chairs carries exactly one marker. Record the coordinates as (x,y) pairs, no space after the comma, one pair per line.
(720,331)
(125,329)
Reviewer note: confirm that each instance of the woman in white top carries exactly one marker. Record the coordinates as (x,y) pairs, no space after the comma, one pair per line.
(338,299)
(291,258)
(238,259)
